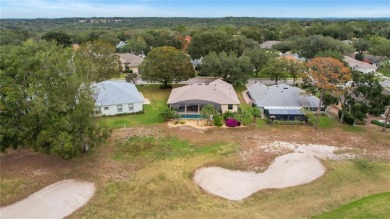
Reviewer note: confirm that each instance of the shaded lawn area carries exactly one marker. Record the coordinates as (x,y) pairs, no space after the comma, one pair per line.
(246,107)
(373,206)
(158,99)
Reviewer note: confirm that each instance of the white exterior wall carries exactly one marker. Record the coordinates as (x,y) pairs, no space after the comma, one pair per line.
(224,108)
(113,109)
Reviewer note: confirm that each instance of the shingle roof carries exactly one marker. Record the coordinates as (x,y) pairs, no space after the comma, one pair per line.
(112,93)
(359,64)
(281,96)
(130,59)
(216,91)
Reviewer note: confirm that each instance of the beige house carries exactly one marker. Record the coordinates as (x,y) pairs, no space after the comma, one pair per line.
(130,61)
(190,99)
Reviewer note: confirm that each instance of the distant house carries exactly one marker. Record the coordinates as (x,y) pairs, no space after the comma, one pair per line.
(130,61)
(120,44)
(282,101)
(290,56)
(114,98)
(269,44)
(359,65)
(374,60)
(189,100)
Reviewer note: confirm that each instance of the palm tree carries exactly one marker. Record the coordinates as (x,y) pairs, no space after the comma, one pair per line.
(242,114)
(207,112)
(255,112)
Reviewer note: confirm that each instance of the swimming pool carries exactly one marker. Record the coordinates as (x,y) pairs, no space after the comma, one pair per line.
(191,116)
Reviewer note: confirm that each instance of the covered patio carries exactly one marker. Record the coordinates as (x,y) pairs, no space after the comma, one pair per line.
(193,106)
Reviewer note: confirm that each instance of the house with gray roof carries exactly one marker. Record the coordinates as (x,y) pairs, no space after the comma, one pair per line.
(130,61)
(112,98)
(282,101)
(359,65)
(189,100)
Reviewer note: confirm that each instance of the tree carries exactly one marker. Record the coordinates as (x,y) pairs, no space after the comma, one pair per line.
(276,69)
(203,43)
(230,68)
(43,102)
(132,77)
(208,111)
(242,114)
(95,61)
(166,65)
(309,47)
(255,112)
(59,37)
(368,94)
(295,69)
(259,58)
(327,74)
(136,46)
(168,114)
(332,54)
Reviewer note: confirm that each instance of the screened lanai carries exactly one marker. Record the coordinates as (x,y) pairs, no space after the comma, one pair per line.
(193,106)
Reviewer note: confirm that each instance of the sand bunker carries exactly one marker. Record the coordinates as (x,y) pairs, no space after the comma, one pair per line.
(55,201)
(299,166)
(287,170)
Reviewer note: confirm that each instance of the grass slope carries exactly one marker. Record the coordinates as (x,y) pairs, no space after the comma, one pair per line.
(373,206)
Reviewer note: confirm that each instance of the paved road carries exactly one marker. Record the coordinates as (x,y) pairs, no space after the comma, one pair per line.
(55,201)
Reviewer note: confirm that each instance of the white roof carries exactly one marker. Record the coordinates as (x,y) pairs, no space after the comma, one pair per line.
(216,91)
(281,96)
(112,93)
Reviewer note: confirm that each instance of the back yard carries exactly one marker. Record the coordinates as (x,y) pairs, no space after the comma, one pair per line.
(145,170)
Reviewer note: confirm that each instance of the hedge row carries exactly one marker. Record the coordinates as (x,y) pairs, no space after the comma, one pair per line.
(376,122)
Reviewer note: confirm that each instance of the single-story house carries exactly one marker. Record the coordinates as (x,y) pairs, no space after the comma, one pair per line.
(269,44)
(130,61)
(282,101)
(189,100)
(290,56)
(359,65)
(114,98)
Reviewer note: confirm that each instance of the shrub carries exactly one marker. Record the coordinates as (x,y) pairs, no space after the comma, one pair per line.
(231,123)
(182,122)
(348,118)
(376,122)
(217,121)
(228,114)
(168,114)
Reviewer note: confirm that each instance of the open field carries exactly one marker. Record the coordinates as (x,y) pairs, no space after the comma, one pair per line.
(146,170)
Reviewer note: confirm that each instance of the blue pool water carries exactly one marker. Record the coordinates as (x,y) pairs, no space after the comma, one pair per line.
(191,116)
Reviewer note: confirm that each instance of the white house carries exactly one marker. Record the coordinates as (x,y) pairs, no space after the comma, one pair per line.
(114,98)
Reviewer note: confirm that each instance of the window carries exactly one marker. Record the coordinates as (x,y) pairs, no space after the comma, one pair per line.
(106,108)
(230,106)
(131,107)
(119,107)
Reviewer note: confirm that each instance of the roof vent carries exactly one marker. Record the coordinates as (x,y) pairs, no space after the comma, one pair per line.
(285,88)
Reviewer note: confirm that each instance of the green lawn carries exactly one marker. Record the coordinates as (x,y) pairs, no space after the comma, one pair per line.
(373,206)
(158,98)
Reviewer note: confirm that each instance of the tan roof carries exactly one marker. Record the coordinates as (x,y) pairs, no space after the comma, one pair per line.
(130,59)
(217,91)
(356,63)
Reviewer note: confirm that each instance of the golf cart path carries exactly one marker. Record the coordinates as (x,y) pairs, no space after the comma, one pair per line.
(55,201)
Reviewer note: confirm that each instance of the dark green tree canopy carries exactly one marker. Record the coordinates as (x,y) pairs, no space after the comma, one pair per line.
(44,102)
(60,37)
(166,65)
(233,69)
(276,69)
(203,43)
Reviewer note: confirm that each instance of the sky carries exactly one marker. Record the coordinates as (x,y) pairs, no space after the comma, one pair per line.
(193,8)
